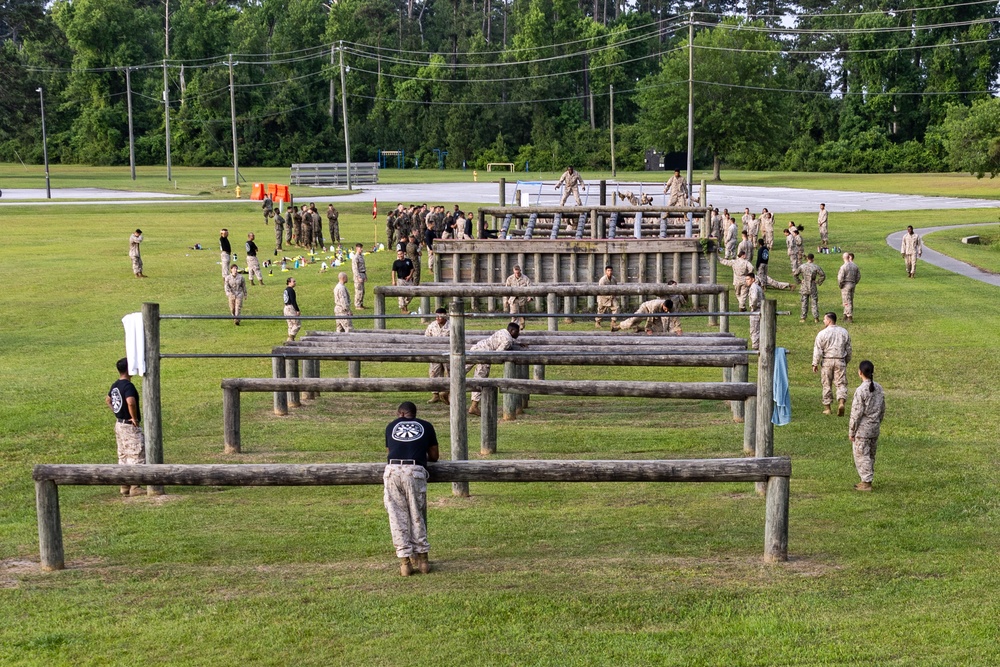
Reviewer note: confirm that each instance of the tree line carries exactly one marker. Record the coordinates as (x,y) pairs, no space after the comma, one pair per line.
(900,86)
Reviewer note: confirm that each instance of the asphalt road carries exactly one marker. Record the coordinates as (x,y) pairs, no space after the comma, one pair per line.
(944,261)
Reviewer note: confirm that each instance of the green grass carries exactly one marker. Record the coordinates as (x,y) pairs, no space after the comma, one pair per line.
(206,182)
(530,574)
(985,256)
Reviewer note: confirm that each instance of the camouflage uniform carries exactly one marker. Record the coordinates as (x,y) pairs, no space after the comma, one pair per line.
(517,304)
(572,182)
(279,229)
(317,229)
(360,276)
(405,499)
(646,307)
(498,342)
(333,219)
(752,228)
(268,207)
(812,277)
(822,221)
(678,190)
(731,239)
(412,253)
(390,228)
(435,330)
(767,229)
(741,269)
(305,230)
(236,291)
(867,411)
(715,226)
(133,253)
(607,304)
(747,248)
(755,298)
(297,227)
(131,443)
(342,306)
(847,278)
(832,353)
(911,248)
(793,252)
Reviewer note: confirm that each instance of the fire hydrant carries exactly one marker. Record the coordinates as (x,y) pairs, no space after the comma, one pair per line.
(475,176)
(238,192)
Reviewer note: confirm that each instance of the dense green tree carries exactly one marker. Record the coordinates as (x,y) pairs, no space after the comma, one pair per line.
(972,137)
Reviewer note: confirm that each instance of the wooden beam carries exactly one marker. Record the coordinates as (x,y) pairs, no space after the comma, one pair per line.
(559,289)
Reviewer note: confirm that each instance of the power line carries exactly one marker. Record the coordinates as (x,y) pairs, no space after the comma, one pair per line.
(818,15)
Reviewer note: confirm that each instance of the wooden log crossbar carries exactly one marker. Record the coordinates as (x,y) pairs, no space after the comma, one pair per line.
(773,471)
(466,290)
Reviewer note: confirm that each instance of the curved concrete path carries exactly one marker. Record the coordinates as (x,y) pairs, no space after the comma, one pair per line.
(944,261)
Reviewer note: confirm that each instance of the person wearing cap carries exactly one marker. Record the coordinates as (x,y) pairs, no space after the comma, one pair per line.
(439,328)
(410,444)
(134,253)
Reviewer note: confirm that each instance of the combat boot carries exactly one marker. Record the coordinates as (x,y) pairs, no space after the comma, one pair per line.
(423,563)
(405,568)
(124,489)
(137,491)
(436,398)
(863,486)
(826,409)
(445,397)
(474,409)
(840,407)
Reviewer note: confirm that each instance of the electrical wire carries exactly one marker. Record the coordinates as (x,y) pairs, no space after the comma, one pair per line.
(749,27)
(808,15)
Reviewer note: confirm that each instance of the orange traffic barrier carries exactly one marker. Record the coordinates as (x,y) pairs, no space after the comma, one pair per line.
(257,192)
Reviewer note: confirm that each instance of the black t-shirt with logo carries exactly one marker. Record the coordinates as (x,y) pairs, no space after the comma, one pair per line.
(251,249)
(402,268)
(410,438)
(289,298)
(763,254)
(119,393)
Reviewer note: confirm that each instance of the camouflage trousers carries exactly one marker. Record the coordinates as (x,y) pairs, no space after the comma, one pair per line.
(482,371)
(847,297)
(437,371)
(131,444)
(824,234)
(225,259)
(755,331)
(793,259)
(742,293)
(279,231)
(136,264)
(404,301)
(334,230)
(834,374)
(294,324)
(253,268)
(359,293)
(405,499)
(343,325)
(911,264)
(235,306)
(864,457)
(811,298)
(575,191)
(607,308)
(291,230)
(516,306)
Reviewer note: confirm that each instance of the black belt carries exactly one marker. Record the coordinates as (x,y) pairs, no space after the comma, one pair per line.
(402,462)
(124,421)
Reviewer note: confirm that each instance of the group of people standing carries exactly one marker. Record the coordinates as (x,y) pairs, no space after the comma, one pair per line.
(302,228)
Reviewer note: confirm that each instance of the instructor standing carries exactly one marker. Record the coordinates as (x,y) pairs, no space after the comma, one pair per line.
(410,443)
(832,353)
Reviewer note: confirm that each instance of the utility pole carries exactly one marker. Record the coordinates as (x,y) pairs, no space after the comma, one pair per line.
(614,171)
(232,113)
(131,134)
(166,90)
(690,156)
(343,101)
(45,144)
(332,50)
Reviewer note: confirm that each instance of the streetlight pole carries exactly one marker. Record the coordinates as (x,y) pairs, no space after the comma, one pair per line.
(690,155)
(232,114)
(131,133)
(611,90)
(45,144)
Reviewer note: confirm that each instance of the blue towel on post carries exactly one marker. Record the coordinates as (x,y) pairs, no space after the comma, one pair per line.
(782,397)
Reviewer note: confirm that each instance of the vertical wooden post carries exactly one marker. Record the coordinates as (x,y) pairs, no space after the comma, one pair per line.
(750,426)
(353,369)
(292,371)
(740,374)
(724,308)
(502,194)
(307,372)
(488,421)
(280,397)
(538,372)
(231,420)
(436,277)
(695,275)
(551,301)
(511,401)
(50,540)
(522,399)
(380,309)
(713,300)
(776,520)
(151,415)
(765,382)
(459,420)
(604,192)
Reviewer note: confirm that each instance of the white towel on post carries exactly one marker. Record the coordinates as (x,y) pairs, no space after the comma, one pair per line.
(135,343)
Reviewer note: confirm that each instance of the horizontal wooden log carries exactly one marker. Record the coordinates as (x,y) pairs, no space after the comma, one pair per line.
(526,336)
(624,339)
(632,358)
(469,290)
(575,211)
(723,391)
(335,474)
(587,246)
(361,346)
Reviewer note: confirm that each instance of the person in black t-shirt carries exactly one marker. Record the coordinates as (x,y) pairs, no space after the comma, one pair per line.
(225,252)
(253,264)
(291,308)
(763,256)
(409,444)
(402,274)
(123,399)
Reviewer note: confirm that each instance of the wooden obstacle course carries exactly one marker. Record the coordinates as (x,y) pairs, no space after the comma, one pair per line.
(772,471)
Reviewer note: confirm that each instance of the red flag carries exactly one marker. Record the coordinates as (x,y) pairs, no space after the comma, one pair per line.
(375,209)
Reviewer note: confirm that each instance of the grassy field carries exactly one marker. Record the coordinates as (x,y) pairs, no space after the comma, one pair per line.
(985,256)
(530,574)
(206,182)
